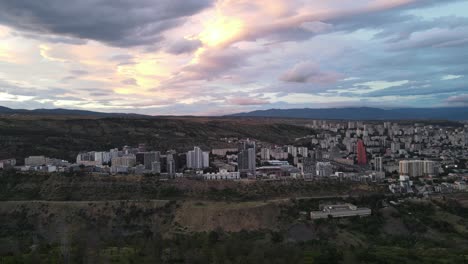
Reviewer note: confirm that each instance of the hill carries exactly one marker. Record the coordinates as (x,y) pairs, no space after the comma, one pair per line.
(365,113)
(65,137)
(208,229)
(63,112)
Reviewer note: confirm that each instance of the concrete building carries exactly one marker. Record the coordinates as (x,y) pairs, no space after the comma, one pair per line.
(246,160)
(149,158)
(102,157)
(265,154)
(222,175)
(128,160)
(339,211)
(324,169)
(7,163)
(303,151)
(308,166)
(119,169)
(170,165)
(378,164)
(405,184)
(361,153)
(292,150)
(156,167)
(418,168)
(197,159)
(35,161)
(279,154)
(224,151)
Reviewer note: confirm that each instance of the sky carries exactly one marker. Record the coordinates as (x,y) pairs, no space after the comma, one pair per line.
(216,57)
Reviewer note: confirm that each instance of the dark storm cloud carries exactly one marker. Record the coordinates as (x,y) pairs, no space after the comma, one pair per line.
(50,39)
(120,23)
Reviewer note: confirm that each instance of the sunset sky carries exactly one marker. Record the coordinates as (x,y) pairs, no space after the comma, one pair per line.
(205,57)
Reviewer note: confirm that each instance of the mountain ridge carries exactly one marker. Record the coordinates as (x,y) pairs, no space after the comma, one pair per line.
(64,112)
(363,113)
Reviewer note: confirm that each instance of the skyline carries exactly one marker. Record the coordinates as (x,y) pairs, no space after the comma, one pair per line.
(221,57)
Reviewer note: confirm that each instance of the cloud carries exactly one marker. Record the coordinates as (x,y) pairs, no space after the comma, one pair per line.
(122,23)
(461,99)
(377,85)
(308,72)
(403,30)
(79,72)
(212,63)
(235,55)
(130,81)
(183,46)
(300,20)
(450,77)
(247,101)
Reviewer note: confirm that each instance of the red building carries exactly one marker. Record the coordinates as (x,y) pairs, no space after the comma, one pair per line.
(361,153)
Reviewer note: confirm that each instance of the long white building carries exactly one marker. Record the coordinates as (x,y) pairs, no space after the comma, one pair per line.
(418,168)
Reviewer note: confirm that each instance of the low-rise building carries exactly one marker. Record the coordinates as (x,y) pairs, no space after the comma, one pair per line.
(7,163)
(340,210)
(222,175)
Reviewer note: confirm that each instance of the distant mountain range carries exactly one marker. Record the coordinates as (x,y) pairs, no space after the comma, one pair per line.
(350,113)
(365,113)
(62,112)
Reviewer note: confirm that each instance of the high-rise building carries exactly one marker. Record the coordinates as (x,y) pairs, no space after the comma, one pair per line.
(265,154)
(324,169)
(308,166)
(246,159)
(292,150)
(171,165)
(465,132)
(378,166)
(361,153)
(102,157)
(418,168)
(206,159)
(303,151)
(149,158)
(197,159)
(124,161)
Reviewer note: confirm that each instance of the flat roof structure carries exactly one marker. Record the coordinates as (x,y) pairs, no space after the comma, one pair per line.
(340,210)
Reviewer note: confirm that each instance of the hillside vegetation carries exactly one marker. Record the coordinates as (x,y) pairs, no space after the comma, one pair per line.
(65,137)
(169,231)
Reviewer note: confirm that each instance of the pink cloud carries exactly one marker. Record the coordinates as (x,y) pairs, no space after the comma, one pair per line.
(461,99)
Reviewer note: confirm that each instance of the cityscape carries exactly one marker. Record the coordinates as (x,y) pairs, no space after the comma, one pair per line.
(409,158)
